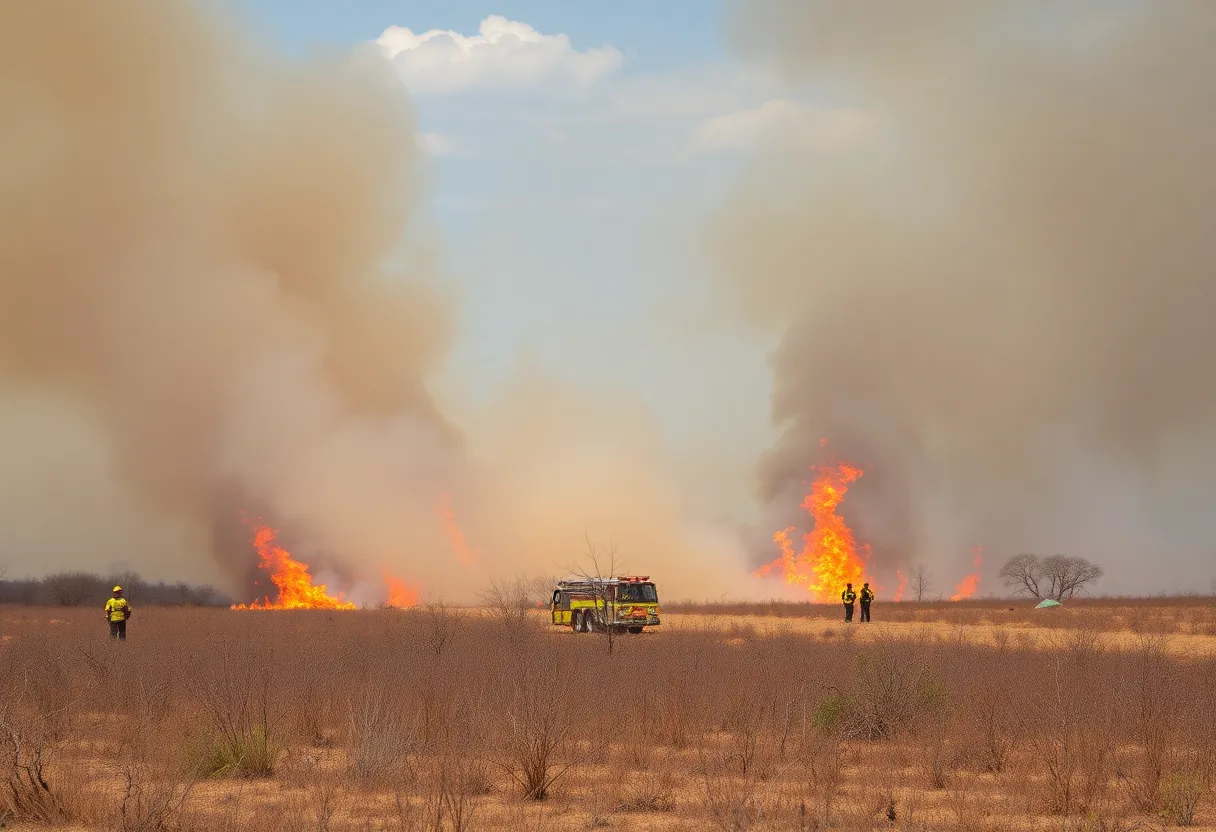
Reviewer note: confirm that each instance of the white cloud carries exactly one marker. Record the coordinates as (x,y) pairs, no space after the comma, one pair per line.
(436,144)
(505,55)
(781,120)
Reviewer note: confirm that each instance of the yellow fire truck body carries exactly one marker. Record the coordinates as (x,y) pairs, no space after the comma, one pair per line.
(627,604)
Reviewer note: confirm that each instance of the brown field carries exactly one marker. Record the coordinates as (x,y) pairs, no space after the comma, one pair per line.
(973,716)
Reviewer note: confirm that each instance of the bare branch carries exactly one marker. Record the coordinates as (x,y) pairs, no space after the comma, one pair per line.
(1024,574)
(920,580)
(601,566)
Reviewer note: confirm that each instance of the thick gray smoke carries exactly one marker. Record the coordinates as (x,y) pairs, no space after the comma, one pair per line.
(218,293)
(202,271)
(997,294)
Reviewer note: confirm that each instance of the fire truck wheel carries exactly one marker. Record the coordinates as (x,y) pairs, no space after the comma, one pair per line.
(576,622)
(635,630)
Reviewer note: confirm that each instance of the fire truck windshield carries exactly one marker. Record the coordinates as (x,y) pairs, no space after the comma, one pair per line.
(637,593)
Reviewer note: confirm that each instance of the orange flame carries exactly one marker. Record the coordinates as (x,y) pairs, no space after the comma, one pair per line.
(296,590)
(829,557)
(453,532)
(401,594)
(903,584)
(967,586)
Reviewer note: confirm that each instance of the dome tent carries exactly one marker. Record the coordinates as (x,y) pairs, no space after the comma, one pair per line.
(1047,602)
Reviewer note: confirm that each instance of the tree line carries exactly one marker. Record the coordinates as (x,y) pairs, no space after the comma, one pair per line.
(83,589)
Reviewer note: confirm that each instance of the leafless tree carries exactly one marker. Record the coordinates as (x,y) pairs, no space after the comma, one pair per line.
(1058,577)
(1023,574)
(920,580)
(511,603)
(599,566)
(541,590)
(72,589)
(1069,575)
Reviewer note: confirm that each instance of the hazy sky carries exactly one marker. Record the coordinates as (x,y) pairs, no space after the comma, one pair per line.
(568,195)
(554,195)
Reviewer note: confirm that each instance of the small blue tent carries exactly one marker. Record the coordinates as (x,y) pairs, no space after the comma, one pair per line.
(1047,602)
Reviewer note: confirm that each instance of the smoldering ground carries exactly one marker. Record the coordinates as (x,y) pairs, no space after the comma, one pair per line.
(219,289)
(995,287)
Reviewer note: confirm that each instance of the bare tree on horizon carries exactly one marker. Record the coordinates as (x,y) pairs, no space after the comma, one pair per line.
(1058,577)
(920,580)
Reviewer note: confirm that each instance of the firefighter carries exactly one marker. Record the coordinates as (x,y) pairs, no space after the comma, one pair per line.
(867,595)
(117,613)
(848,596)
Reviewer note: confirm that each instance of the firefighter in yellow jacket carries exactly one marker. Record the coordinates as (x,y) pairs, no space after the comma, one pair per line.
(117,613)
(848,597)
(867,597)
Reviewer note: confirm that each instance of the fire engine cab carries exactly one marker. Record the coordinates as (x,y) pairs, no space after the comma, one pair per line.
(626,604)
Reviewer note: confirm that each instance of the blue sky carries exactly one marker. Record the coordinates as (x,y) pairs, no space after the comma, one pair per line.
(654,37)
(570,201)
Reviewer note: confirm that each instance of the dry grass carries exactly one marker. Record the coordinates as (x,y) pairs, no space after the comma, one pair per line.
(429,720)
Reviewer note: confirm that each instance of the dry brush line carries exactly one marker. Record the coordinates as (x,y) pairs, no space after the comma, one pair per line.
(537,723)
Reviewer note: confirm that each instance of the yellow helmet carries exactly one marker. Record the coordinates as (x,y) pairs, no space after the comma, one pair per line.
(117,589)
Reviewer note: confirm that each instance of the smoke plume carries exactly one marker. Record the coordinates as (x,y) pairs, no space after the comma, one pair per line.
(996,294)
(219,293)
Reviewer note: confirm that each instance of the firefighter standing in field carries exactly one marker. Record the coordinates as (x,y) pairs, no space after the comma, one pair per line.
(848,596)
(867,595)
(117,613)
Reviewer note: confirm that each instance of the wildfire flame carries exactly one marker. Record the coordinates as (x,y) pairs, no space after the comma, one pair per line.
(400,593)
(967,586)
(903,584)
(296,589)
(453,532)
(829,557)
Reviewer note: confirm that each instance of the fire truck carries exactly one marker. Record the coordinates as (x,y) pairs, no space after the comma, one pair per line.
(626,604)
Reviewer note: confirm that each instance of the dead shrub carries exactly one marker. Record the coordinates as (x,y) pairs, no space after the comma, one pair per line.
(150,801)
(313,807)
(538,722)
(990,721)
(449,788)
(937,758)
(888,693)
(1071,736)
(28,795)
(821,763)
(730,801)
(442,627)
(1181,793)
(379,741)
(646,793)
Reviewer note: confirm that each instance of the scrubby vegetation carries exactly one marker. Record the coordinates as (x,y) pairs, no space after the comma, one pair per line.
(435,719)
